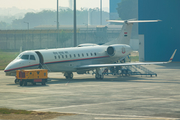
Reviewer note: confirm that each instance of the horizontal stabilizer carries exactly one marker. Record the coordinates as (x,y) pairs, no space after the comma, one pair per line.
(132,21)
(125,33)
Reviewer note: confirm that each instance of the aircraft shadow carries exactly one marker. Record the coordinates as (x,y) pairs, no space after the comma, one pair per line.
(117,79)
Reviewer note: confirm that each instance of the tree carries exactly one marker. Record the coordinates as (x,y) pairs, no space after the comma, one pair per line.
(128,9)
(3,25)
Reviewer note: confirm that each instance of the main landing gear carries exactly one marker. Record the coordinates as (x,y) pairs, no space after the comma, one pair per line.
(99,74)
(68,75)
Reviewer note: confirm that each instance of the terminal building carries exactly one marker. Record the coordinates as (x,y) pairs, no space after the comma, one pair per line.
(157,40)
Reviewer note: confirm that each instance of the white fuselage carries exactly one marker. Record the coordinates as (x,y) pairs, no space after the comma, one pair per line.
(67,59)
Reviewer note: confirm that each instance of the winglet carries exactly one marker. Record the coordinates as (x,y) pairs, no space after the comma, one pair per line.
(170,60)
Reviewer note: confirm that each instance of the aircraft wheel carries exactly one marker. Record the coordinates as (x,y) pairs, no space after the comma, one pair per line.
(97,76)
(69,75)
(101,76)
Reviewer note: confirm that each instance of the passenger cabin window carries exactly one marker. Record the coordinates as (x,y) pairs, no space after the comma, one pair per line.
(74,55)
(82,54)
(55,57)
(62,56)
(32,57)
(91,54)
(70,56)
(25,57)
(87,54)
(78,55)
(58,56)
(66,56)
(95,54)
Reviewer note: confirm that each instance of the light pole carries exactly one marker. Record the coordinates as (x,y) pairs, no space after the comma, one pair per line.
(27,24)
(75,41)
(57,15)
(100,12)
(57,24)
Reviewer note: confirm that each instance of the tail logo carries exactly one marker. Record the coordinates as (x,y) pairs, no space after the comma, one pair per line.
(123,50)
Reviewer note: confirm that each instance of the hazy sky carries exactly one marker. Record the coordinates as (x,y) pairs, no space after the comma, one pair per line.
(50,4)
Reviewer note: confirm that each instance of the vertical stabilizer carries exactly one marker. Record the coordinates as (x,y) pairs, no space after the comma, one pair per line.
(125,34)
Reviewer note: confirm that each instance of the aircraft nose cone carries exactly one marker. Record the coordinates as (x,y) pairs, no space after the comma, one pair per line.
(7,68)
(10,67)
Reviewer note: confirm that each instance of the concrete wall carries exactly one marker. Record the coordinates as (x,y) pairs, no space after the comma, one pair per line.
(41,39)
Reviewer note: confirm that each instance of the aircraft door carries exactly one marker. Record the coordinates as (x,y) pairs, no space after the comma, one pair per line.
(41,60)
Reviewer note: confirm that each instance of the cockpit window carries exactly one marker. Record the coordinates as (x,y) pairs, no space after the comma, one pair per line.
(19,56)
(32,57)
(26,57)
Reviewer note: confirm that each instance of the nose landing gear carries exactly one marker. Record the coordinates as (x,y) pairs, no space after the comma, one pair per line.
(68,75)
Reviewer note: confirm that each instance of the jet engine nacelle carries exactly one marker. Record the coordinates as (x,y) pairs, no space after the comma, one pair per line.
(118,50)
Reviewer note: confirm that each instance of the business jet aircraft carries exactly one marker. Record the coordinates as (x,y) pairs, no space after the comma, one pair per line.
(82,58)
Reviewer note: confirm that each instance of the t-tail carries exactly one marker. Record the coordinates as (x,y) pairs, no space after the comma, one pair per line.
(125,34)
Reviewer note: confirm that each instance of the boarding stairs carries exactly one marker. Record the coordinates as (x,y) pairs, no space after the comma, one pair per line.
(137,70)
(130,70)
(44,66)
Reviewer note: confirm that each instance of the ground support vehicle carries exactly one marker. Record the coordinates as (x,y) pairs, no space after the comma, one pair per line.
(33,76)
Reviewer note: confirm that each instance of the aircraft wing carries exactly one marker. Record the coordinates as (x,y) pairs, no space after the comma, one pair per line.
(125,64)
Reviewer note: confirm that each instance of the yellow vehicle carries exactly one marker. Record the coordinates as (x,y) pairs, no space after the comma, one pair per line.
(33,75)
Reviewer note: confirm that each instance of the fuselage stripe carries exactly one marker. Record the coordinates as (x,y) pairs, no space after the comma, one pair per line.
(56,62)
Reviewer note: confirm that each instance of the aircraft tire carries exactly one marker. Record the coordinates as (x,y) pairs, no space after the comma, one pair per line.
(99,76)
(69,76)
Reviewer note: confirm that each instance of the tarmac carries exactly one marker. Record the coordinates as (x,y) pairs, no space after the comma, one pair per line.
(114,97)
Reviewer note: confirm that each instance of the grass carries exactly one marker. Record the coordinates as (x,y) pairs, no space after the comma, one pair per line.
(134,58)
(9,111)
(6,58)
